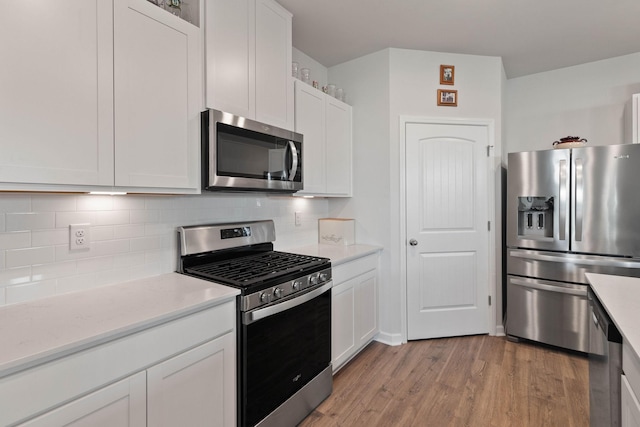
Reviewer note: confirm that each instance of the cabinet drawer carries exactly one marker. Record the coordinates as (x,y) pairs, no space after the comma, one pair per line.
(350,269)
(31,392)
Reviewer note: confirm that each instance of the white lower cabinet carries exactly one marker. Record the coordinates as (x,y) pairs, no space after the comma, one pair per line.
(119,405)
(354,306)
(196,388)
(180,373)
(630,405)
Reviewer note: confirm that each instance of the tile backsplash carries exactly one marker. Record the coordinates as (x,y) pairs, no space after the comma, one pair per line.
(131,236)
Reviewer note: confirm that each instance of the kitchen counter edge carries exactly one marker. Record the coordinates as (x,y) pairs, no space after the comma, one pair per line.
(42,330)
(620,297)
(338,254)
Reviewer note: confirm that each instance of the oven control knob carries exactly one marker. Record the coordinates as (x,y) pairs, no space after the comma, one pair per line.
(265,297)
(277,293)
(296,285)
(324,277)
(313,280)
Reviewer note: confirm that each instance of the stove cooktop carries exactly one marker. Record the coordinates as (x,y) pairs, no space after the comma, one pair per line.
(258,268)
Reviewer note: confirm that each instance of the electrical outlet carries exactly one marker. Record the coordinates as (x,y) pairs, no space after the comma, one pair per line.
(79,237)
(298,219)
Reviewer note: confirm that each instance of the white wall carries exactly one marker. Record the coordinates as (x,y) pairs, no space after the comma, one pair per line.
(318,72)
(132,236)
(592,101)
(366,81)
(408,86)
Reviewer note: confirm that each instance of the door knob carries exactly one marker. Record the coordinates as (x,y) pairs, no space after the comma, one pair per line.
(413,242)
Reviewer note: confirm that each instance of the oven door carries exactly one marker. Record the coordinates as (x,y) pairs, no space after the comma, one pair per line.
(282,349)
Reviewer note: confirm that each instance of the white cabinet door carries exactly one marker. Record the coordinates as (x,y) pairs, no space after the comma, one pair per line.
(630,405)
(119,405)
(230,56)
(354,308)
(343,323)
(367,307)
(310,122)
(274,84)
(157,97)
(338,147)
(196,388)
(325,124)
(56,86)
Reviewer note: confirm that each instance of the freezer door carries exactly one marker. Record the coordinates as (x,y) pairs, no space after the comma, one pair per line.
(538,200)
(549,312)
(605,204)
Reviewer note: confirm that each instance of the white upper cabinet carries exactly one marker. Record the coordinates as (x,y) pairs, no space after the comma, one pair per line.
(274,84)
(56,93)
(338,142)
(248,60)
(325,124)
(310,122)
(230,59)
(157,97)
(99,93)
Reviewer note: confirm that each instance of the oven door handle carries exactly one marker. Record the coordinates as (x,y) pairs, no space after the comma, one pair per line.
(253,316)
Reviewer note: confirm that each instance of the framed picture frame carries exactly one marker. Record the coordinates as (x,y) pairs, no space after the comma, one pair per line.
(447,74)
(447,97)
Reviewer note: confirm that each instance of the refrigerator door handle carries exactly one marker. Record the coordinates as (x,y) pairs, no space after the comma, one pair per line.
(551,288)
(562,202)
(604,262)
(579,199)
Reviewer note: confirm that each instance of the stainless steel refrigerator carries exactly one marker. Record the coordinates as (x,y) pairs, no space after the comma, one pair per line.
(569,212)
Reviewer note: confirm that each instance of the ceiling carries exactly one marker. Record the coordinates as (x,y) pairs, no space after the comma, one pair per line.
(531,36)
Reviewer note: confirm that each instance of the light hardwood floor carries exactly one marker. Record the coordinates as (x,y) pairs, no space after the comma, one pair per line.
(466,381)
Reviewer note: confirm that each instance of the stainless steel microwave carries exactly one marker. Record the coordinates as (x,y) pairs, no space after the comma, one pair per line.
(240,154)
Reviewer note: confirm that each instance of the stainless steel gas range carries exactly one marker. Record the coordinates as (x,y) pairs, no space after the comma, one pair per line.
(283,317)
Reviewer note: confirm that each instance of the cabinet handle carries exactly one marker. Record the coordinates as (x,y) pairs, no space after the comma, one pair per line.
(294,161)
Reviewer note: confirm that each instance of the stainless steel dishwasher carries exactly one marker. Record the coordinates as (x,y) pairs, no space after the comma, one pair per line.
(605,366)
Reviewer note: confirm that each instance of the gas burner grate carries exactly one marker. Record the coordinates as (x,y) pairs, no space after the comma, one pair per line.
(251,269)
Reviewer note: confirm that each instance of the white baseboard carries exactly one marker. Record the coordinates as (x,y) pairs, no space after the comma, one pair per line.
(389,339)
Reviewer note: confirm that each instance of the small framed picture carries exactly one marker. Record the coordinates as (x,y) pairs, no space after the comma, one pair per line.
(447,74)
(448,97)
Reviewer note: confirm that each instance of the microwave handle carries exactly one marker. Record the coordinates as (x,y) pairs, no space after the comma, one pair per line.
(294,160)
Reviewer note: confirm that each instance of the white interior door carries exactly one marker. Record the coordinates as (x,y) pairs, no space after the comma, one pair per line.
(447,230)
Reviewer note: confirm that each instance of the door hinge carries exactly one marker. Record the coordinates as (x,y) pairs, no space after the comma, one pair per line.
(489,299)
(488,225)
(489,147)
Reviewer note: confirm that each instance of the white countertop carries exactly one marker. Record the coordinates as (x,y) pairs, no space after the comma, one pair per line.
(620,297)
(35,332)
(338,254)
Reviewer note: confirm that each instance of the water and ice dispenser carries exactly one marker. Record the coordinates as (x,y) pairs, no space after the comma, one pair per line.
(535,217)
